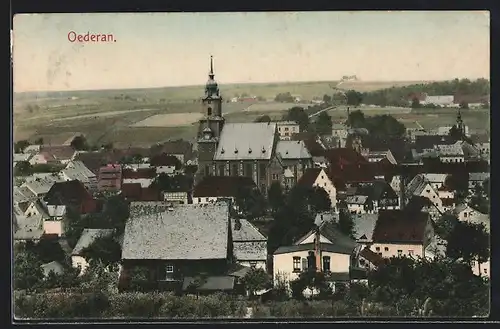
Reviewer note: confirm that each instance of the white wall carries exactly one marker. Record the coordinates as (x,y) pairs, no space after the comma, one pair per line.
(258,264)
(53,227)
(326,184)
(392,249)
(79,261)
(283,263)
(432,195)
(310,239)
(482,269)
(356,208)
(212,199)
(455,159)
(169,170)
(38,159)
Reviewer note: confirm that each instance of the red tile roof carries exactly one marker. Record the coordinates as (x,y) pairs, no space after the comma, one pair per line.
(372,257)
(222,186)
(139,173)
(309,177)
(400,226)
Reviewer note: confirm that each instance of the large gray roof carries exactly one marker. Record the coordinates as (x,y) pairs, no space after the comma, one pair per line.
(53,266)
(89,235)
(42,185)
(479,176)
(364,225)
(184,232)
(247,231)
(28,228)
(246,141)
(293,150)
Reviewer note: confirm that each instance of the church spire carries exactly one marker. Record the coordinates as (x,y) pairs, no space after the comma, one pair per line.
(211,74)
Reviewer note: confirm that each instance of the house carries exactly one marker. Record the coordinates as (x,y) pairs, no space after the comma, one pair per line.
(71,194)
(348,166)
(401,233)
(311,141)
(420,186)
(165,164)
(109,178)
(441,100)
(27,228)
(340,130)
(54,154)
(436,180)
(286,129)
(181,149)
(21,157)
(380,193)
(177,243)
(324,249)
(137,192)
(295,156)
(359,204)
(214,188)
(249,244)
(428,142)
(32,149)
(473,101)
(76,170)
(466,213)
(363,227)
(41,186)
(376,156)
(95,160)
(317,177)
(52,217)
(477,179)
(143,176)
(88,237)
(450,153)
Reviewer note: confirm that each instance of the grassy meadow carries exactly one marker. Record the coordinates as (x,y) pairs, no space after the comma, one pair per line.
(137,117)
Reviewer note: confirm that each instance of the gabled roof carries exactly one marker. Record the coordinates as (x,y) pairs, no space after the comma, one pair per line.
(246,231)
(95,160)
(222,186)
(139,173)
(292,150)
(435,178)
(76,170)
(136,192)
(246,141)
(429,141)
(399,226)
(372,257)
(309,177)
(53,266)
(377,190)
(184,232)
(58,152)
(250,251)
(417,185)
(364,225)
(42,185)
(344,156)
(67,193)
(88,237)
(356,199)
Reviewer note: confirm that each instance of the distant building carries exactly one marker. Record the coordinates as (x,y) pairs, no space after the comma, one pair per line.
(110,178)
(286,129)
(443,101)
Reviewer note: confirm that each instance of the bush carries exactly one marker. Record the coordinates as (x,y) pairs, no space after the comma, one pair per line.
(136,305)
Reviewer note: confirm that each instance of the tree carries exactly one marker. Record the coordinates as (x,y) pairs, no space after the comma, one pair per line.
(327,99)
(28,273)
(298,115)
(311,279)
(250,202)
(353,97)
(263,118)
(284,98)
(275,196)
(104,249)
(415,103)
(356,119)
(20,146)
(116,212)
(23,168)
(323,124)
(108,146)
(346,224)
(79,143)
(39,141)
(256,279)
(319,200)
(469,242)
(445,225)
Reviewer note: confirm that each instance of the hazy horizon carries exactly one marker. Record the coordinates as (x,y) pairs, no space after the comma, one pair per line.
(157,50)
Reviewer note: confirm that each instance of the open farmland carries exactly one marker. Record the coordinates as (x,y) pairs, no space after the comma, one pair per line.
(170,120)
(272,107)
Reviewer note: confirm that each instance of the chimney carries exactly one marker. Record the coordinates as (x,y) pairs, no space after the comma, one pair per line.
(317,250)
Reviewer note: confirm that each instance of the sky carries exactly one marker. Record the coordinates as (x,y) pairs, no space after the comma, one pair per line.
(173,49)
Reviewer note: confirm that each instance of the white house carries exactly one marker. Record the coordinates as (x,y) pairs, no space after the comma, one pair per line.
(401,233)
(340,130)
(317,177)
(420,186)
(19,157)
(477,178)
(88,237)
(359,204)
(450,153)
(286,129)
(176,197)
(249,244)
(323,249)
(467,213)
(441,100)
(436,180)
(376,156)
(76,170)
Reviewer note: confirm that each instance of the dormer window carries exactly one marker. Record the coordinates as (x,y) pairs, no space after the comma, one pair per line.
(263,149)
(222,151)
(249,150)
(236,151)
(209,111)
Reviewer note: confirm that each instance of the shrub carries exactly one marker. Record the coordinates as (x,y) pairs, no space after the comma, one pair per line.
(136,304)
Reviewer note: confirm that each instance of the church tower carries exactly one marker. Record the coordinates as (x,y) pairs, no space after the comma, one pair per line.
(211,124)
(460,124)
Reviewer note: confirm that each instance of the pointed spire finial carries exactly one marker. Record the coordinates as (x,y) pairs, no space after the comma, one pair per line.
(211,66)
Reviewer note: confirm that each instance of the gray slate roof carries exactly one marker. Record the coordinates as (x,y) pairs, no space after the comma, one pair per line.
(246,141)
(435,178)
(292,150)
(147,208)
(356,199)
(89,235)
(247,231)
(22,194)
(52,267)
(364,225)
(43,185)
(77,170)
(479,176)
(28,228)
(185,232)
(416,185)
(250,251)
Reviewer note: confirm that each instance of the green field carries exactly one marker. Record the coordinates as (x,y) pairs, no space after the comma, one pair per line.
(121,116)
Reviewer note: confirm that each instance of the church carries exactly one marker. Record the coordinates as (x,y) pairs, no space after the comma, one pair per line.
(244,149)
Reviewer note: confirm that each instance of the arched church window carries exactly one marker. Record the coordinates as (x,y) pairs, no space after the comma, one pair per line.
(209,111)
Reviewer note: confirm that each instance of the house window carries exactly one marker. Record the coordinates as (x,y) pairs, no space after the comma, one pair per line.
(485,271)
(377,248)
(326,264)
(209,101)
(234,169)
(296,264)
(400,253)
(465,214)
(169,269)
(199,200)
(286,128)
(380,254)
(207,199)
(473,263)
(410,252)
(253,264)
(362,261)
(428,191)
(386,249)
(275,176)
